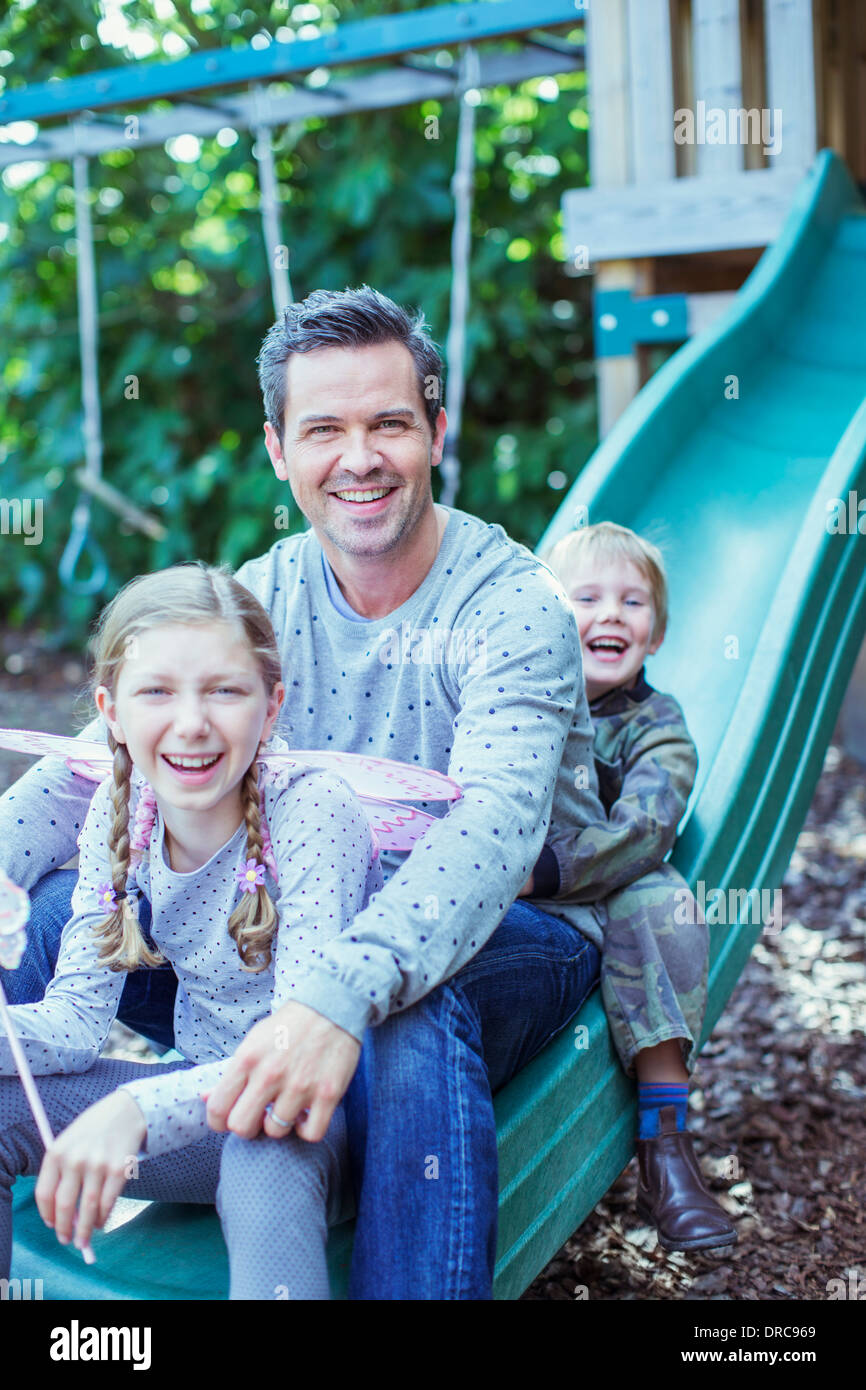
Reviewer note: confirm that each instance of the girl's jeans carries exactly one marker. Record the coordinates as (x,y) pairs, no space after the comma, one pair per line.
(422,1135)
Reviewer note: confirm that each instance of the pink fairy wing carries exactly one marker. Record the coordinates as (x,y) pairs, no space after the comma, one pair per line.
(86,756)
(380,778)
(394,826)
(94,771)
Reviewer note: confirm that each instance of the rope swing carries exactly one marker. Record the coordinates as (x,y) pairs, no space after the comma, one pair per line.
(80,542)
(461,241)
(276,250)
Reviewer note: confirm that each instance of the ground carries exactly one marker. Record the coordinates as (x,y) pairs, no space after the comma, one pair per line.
(777,1106)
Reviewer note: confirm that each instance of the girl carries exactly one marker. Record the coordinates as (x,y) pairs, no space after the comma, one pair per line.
(246,878)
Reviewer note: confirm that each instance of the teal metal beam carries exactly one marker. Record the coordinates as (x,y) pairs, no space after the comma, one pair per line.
(362,41)
(404,83)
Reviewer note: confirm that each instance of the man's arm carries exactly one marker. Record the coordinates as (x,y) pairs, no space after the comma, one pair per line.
(440,907)
(599,858)
(41,816)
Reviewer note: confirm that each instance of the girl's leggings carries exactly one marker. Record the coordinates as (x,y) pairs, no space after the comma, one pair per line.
(275,1197)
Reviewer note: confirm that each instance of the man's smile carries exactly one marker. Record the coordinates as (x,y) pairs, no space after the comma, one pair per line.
(363,499)
(361,494)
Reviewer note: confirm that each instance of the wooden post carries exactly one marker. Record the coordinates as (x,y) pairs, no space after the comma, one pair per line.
(718,80)
(651,97)
(791,81)
(607,65)
(651,91)
(609,165)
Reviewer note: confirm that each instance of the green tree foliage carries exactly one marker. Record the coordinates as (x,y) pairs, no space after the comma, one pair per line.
(184,297)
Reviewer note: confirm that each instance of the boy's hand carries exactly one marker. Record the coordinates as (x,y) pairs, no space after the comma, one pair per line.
(295,1060)
(86,1166)
(527,887)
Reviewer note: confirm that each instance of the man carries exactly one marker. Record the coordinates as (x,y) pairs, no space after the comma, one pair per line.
(417,632)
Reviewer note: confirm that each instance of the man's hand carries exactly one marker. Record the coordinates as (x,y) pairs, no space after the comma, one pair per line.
(295,1060)
(87,1166)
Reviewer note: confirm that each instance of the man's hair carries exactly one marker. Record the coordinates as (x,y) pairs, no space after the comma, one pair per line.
(347,319)
(608,541)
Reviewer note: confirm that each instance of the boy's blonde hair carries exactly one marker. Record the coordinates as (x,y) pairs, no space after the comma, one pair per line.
(607,541)
(199,594)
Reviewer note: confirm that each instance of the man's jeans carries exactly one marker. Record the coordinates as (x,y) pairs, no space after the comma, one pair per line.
(422,1134)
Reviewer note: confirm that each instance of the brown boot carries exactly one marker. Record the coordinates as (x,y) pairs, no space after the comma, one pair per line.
(671,1192)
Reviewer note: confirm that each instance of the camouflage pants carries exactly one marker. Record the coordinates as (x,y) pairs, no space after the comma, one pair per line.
(653,969)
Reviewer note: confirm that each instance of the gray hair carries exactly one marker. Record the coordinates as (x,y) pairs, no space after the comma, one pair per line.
(352,319)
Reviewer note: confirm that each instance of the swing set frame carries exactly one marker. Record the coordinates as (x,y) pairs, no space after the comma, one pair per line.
(285,82)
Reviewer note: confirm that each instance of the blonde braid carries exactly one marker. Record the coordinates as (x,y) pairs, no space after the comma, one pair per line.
(254,920)
(124,947)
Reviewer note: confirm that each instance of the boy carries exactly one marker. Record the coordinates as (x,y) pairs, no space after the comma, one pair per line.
(654,972)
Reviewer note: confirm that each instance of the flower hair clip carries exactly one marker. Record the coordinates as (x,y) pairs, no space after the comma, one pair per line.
(251,876)
(108,897)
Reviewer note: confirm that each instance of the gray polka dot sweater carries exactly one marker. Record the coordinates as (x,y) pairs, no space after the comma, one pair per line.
(323,849)
(478,674)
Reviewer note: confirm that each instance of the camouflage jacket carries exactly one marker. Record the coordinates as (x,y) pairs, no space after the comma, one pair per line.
(646,764)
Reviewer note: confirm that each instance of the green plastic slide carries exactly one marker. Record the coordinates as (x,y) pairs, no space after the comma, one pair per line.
(745,458)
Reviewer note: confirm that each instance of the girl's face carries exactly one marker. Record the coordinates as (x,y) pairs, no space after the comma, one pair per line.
(191,706)
(615,616)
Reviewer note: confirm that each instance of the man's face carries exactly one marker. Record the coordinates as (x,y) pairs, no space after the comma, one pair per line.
(357,449)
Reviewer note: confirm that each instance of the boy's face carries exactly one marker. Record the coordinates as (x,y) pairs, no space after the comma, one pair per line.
(615,617)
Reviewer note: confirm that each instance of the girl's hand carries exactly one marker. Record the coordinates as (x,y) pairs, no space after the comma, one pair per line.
(87,1165)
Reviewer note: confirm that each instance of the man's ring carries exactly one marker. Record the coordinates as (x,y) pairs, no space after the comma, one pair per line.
(286,1124)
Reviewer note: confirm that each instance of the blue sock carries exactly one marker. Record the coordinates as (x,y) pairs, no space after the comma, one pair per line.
(651,1096)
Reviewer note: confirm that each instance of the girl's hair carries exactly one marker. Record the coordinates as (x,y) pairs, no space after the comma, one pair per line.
(604,541)
(199,594)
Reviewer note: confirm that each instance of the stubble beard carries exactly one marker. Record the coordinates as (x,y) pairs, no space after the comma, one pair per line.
(366,542)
